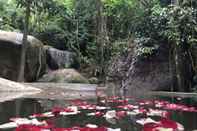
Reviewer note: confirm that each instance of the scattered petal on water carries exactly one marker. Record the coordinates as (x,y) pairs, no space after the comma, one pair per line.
(121,114)
(91,126)
(145,121)
(25,121)
(156,112)
(120,109)
(33,128)
(164,124)
(118,102)
(110,129)
(145,102)
(151,126)
(140,111)
(113,97)
(127,107)
(47,114)
(88,127)
(97,114)
(102,108)
(167,123)
(110,114)
(71,110)
(78,102)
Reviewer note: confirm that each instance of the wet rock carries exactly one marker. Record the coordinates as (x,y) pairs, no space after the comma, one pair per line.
(10,50)
(64,76)
(195,79)
(59,59)
(93,80)
(194,88)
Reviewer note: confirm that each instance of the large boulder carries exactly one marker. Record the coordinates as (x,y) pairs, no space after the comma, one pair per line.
(59,59)
(64,76)
(10,51)
(136,73)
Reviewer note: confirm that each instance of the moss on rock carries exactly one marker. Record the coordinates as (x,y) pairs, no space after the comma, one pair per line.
(64,76)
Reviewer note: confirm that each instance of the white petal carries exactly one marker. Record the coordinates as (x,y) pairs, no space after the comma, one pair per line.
(110,114)
(110,129)
(145,120)
(91,126)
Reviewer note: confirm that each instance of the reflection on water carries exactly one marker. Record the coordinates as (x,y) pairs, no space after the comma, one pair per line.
(26,107)
(18,108)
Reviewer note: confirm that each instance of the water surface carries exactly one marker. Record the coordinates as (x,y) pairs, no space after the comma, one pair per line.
(26,106)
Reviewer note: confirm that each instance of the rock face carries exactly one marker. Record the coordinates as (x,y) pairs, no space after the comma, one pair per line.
(64,76)
(10,49)
(58,59)
(142,74)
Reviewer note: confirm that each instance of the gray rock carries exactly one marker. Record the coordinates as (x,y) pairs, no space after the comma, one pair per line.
(10,49)
(59,59)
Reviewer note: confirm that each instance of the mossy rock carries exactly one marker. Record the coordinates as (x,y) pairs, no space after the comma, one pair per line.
(64,76)
(93,80)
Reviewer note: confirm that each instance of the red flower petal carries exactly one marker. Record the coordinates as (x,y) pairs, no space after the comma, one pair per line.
(99,114)
(126,107)
(78,102)
(81,129)
(150,126)
(32,128)
(121,114)
(118,102)
(166,123)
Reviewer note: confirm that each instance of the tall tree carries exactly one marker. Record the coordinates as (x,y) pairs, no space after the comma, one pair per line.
(26,4)
(102,37)
(182,24)
(29,7)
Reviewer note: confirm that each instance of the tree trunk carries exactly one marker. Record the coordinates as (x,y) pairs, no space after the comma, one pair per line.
(24,45)
(172,67)
(101,37)
(184,70)
(182,61)
(178,63)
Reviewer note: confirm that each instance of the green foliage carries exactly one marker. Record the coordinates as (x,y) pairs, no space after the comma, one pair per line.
(181,24)
(146,47)
(121,15)
(170,24)
(72,24)
(10,18)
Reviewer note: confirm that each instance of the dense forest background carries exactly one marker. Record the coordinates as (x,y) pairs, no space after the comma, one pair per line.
(99,30)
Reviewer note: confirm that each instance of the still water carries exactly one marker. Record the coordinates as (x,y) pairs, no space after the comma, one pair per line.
(25,107)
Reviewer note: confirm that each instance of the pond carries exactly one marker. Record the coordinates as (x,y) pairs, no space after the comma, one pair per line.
(101,114)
